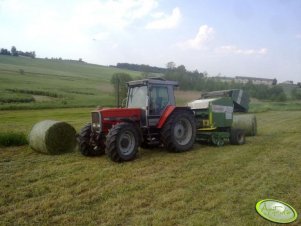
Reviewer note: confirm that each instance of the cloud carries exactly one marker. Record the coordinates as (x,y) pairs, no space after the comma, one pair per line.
(236,50)
(88,16)
(204,35)
(112,15)
(14,7)
(164,21)
(79,22)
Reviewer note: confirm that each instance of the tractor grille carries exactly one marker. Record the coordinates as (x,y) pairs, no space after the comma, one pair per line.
(96,121)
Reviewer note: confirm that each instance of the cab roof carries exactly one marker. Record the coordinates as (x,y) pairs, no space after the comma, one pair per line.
(152,81)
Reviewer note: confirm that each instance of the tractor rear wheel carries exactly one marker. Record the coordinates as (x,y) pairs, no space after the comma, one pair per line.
(85,142)
(122,142)
(179,131)
(237,136)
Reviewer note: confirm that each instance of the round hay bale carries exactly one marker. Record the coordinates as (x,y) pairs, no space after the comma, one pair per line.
(52,137)
(247,122)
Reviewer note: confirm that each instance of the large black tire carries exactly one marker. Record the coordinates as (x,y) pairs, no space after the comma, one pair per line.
(237,136)
(179,131)
(122,142)
(85,145)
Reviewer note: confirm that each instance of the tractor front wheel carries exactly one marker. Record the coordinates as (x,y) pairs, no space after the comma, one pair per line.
(178,133)
(87,145)
(122,142)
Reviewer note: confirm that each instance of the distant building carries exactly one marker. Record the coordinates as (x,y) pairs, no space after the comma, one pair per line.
(289,82)
(244,80)
(224,78)
(255,81)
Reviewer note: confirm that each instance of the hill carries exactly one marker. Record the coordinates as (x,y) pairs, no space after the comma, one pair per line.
(27,83)
(41,83)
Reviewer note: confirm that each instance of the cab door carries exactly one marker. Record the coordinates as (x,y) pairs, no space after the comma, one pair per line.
(158,101)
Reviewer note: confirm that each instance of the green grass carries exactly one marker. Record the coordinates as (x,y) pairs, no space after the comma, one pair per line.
(12,139)
(23,121)
(264,106)
(50,84)
(72,84)
(287,88)
(205,186)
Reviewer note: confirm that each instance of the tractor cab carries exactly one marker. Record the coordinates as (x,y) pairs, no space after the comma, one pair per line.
(152,96)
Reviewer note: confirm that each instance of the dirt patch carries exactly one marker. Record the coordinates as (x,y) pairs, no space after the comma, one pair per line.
(39,98)
(106,88)
(183,97)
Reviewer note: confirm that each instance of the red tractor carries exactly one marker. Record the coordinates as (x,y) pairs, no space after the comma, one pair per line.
(149,119)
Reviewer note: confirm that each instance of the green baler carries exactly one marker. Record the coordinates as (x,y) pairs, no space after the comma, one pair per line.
(214,117)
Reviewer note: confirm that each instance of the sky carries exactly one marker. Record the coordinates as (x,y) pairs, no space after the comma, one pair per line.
(254,38)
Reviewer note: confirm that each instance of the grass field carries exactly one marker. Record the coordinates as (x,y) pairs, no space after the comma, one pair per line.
(27,83)
(72,83)
(46,84)
(205,186)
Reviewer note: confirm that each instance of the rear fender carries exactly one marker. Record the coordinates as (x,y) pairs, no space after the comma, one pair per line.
(168,111)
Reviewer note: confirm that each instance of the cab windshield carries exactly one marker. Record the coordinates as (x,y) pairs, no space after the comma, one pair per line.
(137,97)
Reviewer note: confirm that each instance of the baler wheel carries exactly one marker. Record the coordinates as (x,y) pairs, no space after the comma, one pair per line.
(85,143)
(237,136)
(122,142)
(179,131)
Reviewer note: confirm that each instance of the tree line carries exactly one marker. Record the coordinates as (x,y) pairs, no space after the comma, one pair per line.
(15,52)
(199,81)
(140,67)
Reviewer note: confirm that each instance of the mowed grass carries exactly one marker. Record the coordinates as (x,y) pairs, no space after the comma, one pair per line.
(205,186)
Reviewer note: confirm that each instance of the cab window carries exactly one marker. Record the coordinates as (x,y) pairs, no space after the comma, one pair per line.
(158,99)
(137,97)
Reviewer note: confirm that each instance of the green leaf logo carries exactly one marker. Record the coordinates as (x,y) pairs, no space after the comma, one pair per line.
(276,211)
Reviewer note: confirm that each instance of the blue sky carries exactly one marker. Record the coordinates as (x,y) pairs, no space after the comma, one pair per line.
(257,38)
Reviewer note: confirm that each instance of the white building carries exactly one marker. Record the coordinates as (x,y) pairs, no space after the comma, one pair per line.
(224,78)
(288,82)
(255,81)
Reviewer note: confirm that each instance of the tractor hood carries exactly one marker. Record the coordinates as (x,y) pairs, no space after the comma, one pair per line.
(104,119)
(121,114)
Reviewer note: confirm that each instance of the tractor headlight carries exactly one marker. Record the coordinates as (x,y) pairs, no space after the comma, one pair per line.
(96,121)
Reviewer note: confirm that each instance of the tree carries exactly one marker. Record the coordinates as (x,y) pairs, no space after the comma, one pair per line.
(4,52)
(119,81)
(14,51)
(181,69)
(296,93)
(170,65)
